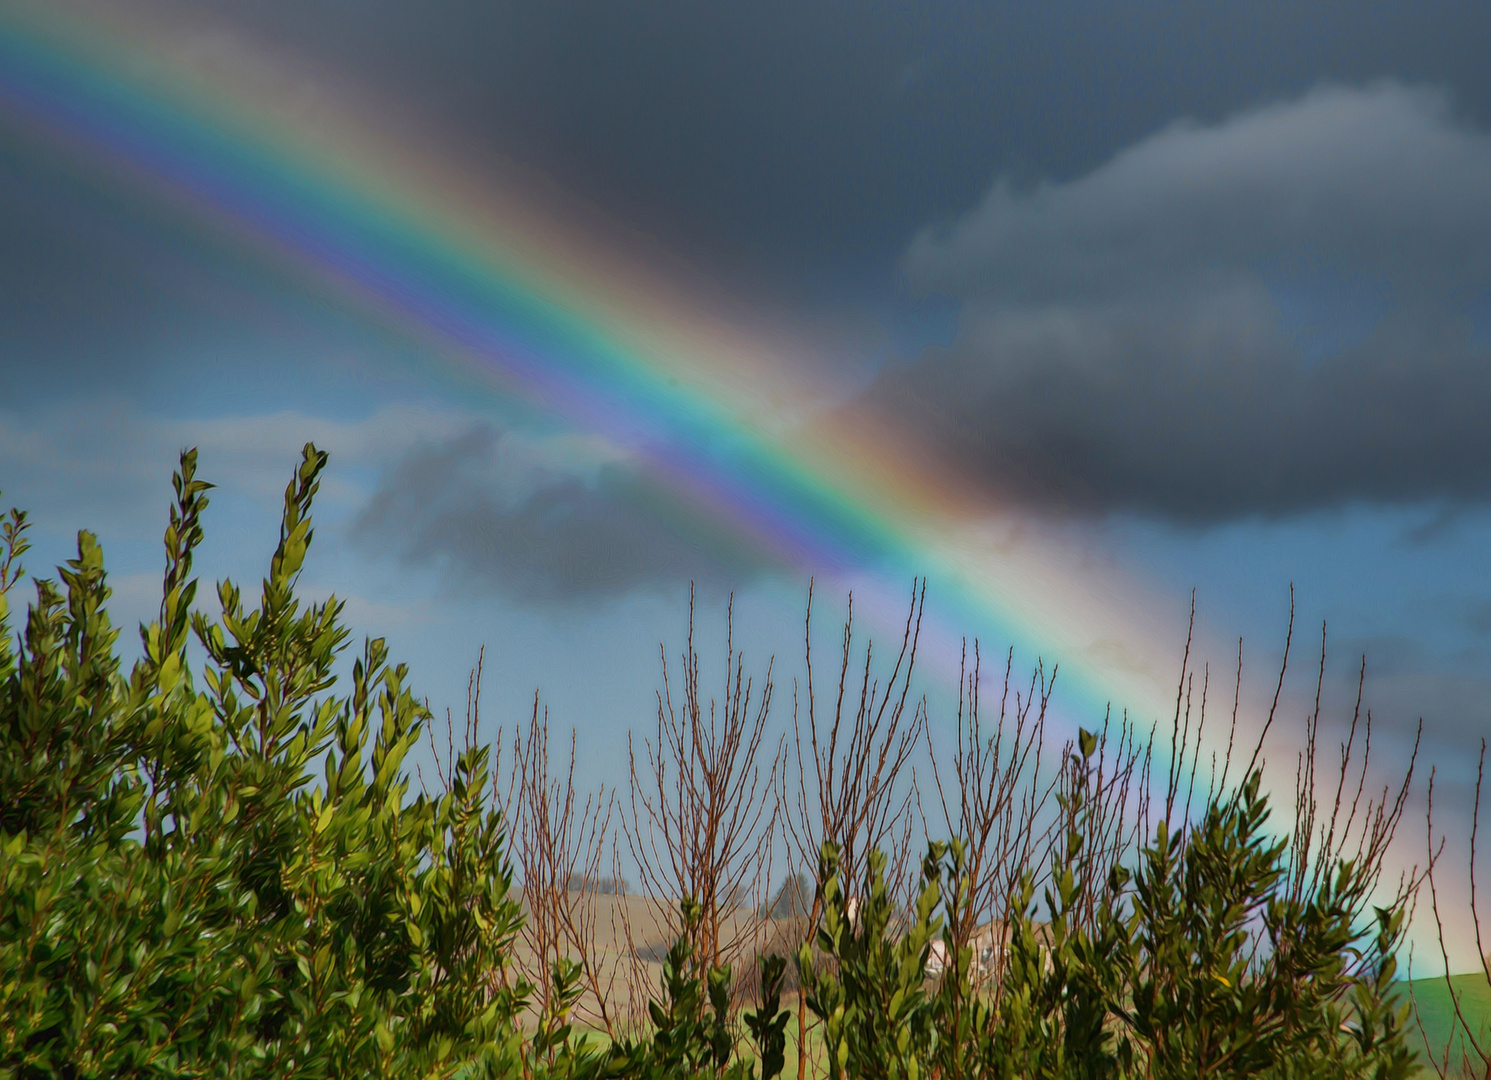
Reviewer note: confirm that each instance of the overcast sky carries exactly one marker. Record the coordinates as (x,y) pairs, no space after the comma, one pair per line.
(1205,285)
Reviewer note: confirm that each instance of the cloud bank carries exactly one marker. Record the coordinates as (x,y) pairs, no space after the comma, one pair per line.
(547,518)
(1278,313)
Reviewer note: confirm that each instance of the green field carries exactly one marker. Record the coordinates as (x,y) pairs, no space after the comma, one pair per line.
(1434,1028)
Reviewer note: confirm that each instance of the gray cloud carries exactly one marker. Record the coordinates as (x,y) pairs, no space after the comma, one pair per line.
(1264,316)
(546,519)
(787,147)
(805,134)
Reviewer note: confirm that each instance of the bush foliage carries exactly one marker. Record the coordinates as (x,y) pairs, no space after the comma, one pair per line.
(219,869)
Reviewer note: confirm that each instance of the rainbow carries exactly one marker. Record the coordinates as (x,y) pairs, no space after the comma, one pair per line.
(530,311)
(551,319)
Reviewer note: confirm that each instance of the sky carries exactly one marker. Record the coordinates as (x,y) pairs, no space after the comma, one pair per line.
(1075,308)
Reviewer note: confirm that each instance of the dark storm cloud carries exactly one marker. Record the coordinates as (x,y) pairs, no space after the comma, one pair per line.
(805,141)
(792,143)
(809,138)
(1135,338)
(546,520)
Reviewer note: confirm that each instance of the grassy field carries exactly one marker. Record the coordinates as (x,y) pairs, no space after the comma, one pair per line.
(1434,1028)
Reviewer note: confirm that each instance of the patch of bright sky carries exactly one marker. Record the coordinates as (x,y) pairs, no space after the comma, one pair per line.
(1405,586)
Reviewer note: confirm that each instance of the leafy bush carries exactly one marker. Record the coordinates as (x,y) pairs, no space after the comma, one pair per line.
(180,896)
(223,873)
(692,1033)
(1202,962)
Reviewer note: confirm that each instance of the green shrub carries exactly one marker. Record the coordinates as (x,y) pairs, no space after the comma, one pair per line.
(692,1034)
(1202,962)
(223,873)
(180,896)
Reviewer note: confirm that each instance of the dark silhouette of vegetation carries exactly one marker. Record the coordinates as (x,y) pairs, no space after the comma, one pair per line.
(793,899)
